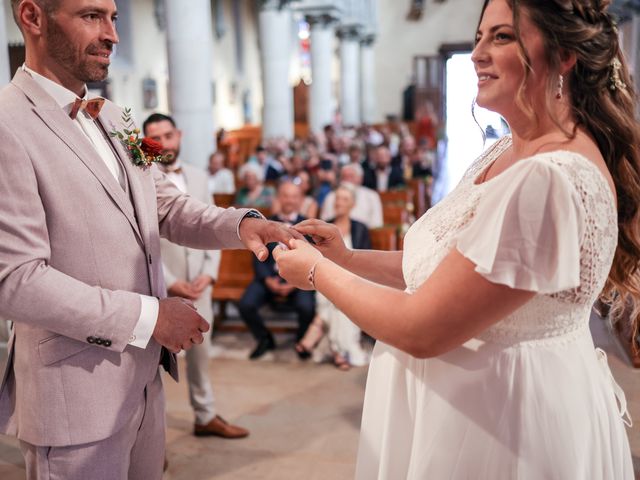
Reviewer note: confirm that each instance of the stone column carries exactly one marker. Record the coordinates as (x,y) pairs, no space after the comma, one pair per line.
(190,59)
(321,98)
(5,74)
(275,25)
(349,75)
(367,81)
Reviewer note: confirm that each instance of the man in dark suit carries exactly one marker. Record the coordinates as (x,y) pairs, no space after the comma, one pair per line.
(269,287)
(386,174)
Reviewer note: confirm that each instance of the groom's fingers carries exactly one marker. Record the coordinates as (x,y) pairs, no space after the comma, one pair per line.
(255,244)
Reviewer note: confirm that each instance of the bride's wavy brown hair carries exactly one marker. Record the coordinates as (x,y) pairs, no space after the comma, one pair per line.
(603,101)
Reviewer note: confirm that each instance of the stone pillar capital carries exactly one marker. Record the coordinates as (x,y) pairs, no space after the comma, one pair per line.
(349,32)
(324,19)
(367,40)
(273,4)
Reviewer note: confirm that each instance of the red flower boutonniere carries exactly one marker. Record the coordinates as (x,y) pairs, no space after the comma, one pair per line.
(142,151)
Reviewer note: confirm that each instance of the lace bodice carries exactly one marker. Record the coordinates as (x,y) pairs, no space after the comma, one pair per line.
(547,317)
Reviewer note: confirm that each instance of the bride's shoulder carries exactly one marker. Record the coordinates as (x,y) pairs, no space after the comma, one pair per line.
(487,156)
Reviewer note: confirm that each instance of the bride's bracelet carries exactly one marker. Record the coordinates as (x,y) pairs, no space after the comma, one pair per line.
(312,274)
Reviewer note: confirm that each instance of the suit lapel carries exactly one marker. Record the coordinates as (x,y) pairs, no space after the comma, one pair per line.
(110,119)
(60,124)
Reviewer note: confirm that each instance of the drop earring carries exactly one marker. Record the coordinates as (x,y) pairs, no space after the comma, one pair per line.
(560,85)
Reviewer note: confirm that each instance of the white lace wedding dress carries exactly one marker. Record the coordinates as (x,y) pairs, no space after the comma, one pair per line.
(530,398)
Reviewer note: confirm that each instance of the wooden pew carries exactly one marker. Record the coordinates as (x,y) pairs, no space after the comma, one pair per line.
(394,214)
(403,196)
(234,276)
(245,141)
(384,238)
(224,200)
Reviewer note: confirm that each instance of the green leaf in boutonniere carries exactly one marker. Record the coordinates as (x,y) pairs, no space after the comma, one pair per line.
(142,151)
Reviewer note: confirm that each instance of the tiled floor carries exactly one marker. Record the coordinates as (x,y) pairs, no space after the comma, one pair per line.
(304,418)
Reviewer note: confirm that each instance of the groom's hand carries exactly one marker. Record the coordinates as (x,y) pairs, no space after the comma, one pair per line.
(179,325)
(255,233)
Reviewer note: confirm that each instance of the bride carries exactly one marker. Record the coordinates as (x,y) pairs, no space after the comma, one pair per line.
(484,366)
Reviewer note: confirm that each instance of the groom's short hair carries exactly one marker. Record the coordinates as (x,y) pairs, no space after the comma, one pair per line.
(49,6)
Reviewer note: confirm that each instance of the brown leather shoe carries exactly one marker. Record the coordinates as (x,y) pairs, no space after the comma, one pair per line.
(219,427)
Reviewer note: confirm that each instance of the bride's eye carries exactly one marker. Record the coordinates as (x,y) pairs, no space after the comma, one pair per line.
(503,37)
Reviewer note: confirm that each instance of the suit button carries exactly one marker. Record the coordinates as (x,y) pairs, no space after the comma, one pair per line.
(99,341)
(107,343)
(91,339)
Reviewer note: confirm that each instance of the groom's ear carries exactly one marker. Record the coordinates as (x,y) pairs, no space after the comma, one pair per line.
(30,18)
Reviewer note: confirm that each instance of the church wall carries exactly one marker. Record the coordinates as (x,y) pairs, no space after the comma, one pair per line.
(399,40)
(146,58)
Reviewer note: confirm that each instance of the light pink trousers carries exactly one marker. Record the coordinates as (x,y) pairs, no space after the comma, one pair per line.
(134,453)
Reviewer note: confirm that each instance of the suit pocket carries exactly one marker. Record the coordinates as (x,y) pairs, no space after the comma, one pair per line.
(58,347)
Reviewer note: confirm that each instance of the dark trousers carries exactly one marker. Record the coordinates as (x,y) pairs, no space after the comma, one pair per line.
(257,294)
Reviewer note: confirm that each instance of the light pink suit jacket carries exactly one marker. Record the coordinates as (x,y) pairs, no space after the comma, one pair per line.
(76,249)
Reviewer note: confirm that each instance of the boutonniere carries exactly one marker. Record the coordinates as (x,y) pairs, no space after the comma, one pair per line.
(142,151)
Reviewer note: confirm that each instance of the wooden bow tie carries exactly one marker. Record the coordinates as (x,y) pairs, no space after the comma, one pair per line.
(92,107)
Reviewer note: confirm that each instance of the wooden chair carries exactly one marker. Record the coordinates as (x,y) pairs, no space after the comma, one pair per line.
(394,214)
(224,200)
(247,140)
(234,276)
(420,196)
(403,196)
(384,238)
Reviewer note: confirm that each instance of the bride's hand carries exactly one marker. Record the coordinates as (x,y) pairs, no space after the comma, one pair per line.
(327,239)
(295,264)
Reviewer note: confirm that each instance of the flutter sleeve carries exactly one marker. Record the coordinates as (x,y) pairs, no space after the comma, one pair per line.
(527,229)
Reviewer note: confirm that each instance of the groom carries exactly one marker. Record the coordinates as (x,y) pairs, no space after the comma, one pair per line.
(80,267)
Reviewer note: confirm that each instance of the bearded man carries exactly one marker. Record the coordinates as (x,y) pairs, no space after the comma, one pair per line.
(80,268)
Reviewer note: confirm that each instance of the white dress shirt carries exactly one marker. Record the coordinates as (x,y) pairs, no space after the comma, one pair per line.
(65,98)
(382,179)
(222,182)
(178,178)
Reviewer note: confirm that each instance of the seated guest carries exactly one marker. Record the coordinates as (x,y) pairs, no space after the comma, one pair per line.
(272,168)
(355,154)
(254,193)
(385,175)
(295,164)
(342,341)
(309,208)
(326,179)
(408,150)
(220,178)
(368,206)
(269,287)
(422,162)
